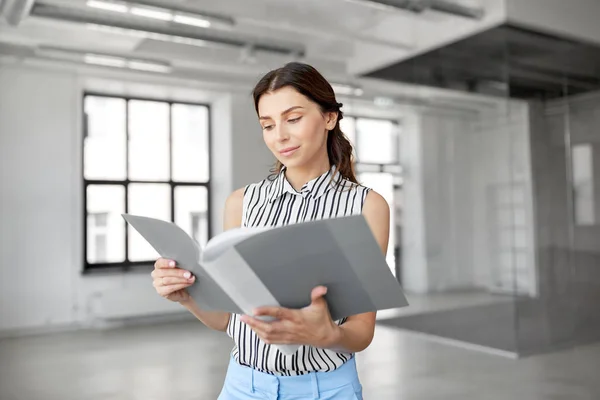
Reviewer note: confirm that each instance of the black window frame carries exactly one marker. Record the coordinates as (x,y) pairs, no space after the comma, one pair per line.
(128,265)
(377,167)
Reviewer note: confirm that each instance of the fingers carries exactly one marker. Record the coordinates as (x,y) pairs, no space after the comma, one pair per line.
(256,324)
(269,332)
(172,280)
(174,272)
(317,293)
(168,279)
(167,290)
(163,263)
(279,313)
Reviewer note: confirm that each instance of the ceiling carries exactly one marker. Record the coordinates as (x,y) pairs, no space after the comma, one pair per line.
(340,37)
(344,39)
(506,60)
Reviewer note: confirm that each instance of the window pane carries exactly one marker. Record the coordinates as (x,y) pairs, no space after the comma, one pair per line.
(190,143)
(148,140)
(101,247)
(148,200)
(383,183)
(348,126)
(105,226)
(191,205)
(377,141)
(104,144)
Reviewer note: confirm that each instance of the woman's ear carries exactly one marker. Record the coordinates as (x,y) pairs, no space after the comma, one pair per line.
(331,120)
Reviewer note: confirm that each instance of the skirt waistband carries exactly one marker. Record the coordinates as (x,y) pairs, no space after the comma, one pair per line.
(309,383)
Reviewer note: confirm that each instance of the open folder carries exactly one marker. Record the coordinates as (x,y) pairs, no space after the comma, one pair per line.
(244,268)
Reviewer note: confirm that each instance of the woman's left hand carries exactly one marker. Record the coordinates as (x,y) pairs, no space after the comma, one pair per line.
(311,325)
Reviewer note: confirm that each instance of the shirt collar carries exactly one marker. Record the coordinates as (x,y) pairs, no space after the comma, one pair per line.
(315,188)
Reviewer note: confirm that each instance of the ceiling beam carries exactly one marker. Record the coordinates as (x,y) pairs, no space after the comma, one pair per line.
(419,6)
(14,11)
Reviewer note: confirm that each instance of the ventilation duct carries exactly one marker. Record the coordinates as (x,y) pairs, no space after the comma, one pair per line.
(165,28)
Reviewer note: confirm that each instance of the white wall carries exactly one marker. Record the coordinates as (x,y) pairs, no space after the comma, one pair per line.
(574,18)
(38,202)
(414,262)
(251,158)
(41,195)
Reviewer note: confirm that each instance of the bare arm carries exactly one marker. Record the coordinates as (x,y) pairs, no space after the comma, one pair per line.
(357,332)
(232,219)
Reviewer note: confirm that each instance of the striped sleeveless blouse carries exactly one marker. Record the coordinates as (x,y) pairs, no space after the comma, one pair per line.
(274,203)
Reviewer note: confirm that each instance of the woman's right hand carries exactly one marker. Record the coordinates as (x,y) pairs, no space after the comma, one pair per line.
(171,282)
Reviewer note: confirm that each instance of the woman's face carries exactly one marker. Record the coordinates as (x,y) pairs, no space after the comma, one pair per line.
(294,129)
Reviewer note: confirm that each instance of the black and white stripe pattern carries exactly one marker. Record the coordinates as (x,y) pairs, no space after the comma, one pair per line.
(276,203)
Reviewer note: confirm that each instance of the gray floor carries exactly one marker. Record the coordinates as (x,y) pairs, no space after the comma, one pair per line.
(185,361)
(490,325)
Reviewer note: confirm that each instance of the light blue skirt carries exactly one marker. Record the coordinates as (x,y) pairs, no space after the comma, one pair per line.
(244,383)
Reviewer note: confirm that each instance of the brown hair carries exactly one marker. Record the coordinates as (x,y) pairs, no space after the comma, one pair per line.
(310,83)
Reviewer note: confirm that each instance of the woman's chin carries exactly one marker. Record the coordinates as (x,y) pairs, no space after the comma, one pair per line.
(290,162)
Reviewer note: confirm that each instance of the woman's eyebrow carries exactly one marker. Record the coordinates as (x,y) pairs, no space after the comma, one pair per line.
(283,113)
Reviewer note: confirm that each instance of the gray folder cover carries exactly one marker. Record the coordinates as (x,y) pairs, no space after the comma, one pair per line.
(250,267)
(172,242)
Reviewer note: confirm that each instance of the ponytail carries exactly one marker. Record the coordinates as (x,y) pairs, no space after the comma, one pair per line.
(339,150)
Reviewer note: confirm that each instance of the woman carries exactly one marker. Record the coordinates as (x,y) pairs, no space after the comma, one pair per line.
(313,179)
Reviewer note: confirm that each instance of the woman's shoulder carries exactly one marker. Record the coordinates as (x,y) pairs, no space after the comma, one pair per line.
(256,189)
(236,198)
(233,209)
(372,200)
(375,202)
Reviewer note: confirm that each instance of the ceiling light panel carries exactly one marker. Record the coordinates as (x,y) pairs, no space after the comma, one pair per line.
(152,12)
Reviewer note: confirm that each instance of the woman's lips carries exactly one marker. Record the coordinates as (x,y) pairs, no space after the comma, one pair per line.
(288,151)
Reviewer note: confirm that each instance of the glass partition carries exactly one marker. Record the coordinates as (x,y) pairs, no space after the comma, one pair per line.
(462,197)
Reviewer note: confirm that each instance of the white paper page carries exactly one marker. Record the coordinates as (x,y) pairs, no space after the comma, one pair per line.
(220,243)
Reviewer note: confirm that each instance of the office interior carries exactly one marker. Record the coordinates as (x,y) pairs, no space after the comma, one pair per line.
(477,120)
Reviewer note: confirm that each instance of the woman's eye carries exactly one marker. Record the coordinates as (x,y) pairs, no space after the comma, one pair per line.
(294,120)
(268,127)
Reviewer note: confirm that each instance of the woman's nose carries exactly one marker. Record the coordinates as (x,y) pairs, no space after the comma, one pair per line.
(282,133)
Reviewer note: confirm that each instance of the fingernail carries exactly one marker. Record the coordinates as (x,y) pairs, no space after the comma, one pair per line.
(171,263)
(187,275)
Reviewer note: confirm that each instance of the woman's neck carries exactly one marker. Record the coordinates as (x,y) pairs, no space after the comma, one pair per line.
(298,176)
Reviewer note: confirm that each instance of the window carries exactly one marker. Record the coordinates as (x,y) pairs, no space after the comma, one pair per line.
(144,157)
(376,149)
(583,184)
(376,141)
